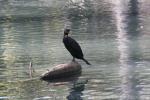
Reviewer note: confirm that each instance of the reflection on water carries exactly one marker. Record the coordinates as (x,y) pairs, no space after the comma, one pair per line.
(127,21)
(114,37)
(76,91)
(129,47)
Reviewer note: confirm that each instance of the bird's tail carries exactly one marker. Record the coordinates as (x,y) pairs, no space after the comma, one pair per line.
(86,61)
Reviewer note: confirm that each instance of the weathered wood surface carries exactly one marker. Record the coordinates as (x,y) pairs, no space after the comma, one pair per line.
(62,71)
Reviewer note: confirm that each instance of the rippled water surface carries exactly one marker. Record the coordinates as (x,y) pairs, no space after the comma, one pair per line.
(114,36)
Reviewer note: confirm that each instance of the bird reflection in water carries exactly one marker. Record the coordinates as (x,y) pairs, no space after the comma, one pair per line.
(76,90)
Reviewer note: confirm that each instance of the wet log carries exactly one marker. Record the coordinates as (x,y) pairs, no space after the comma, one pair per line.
(62,71)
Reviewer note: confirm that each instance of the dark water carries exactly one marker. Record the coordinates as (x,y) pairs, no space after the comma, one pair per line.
(114,36)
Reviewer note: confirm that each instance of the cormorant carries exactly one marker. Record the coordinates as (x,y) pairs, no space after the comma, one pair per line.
(73,47)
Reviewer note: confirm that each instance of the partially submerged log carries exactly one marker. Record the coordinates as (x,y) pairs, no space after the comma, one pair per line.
(62,71)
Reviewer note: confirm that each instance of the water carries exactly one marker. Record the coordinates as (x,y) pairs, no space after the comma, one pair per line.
(114,37)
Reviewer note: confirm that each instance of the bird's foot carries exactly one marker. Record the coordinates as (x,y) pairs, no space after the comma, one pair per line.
(73,59)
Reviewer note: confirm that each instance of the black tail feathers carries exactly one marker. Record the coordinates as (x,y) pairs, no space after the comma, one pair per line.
(86,61)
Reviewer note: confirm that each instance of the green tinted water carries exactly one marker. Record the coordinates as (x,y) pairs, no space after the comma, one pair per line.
(114,37)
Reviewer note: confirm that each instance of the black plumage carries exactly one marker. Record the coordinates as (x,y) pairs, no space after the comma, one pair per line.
(73,47)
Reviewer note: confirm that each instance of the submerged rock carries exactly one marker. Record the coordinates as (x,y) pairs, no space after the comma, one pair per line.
(62,71)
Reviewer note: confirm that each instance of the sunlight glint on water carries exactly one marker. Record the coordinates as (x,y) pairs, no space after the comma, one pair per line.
(127,65)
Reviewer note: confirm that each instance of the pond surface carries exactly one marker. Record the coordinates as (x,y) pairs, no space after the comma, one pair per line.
(114,36)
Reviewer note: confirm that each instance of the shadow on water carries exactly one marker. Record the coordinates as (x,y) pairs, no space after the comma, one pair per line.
(128,33)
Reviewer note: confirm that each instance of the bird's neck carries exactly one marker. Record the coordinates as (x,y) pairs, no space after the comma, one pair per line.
(65,36)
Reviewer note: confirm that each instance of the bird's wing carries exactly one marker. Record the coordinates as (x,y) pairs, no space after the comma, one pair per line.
(74,45)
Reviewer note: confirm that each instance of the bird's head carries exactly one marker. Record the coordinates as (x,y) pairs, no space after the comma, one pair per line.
(66,32)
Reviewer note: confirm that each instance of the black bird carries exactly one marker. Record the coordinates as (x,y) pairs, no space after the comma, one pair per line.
(73,47)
